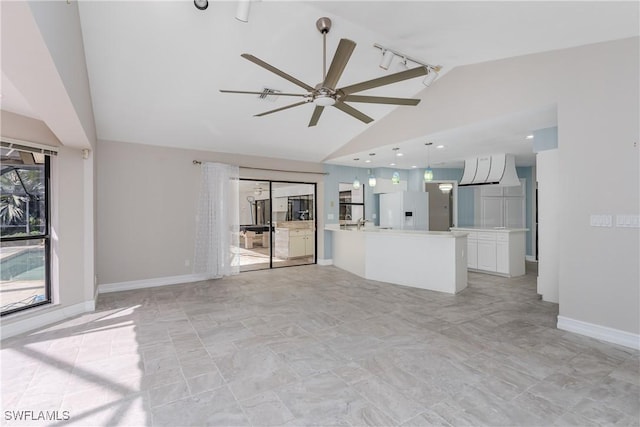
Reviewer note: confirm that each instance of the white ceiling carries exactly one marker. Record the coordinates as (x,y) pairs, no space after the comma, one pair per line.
(449,148)
(156,67)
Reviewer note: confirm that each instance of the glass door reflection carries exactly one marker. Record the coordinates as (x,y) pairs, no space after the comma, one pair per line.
(255,223)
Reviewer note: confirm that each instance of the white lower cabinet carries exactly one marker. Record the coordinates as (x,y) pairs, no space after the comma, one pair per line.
(502,257)
(487,255)
(293,243)
(496,251)
(472,254)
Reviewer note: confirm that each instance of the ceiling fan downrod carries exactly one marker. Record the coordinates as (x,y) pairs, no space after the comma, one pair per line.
(324,25)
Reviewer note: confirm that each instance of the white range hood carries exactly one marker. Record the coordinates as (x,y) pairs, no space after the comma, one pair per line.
(497,169)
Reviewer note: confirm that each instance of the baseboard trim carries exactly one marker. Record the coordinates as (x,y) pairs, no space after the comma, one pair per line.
(48,316)
(603,333)
(324,262)
(150,283)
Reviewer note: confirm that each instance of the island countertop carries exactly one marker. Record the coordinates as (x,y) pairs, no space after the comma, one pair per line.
(375,229)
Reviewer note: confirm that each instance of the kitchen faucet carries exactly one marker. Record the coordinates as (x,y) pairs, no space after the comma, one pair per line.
(361,223)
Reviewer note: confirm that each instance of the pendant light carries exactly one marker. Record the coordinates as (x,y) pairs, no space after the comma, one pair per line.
(356,183)
(395,178)
(372,179)
(428,172)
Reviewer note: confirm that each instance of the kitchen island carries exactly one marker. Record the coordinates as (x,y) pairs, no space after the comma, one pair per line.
(434,260)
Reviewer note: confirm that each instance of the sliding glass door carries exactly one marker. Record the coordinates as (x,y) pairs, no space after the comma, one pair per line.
(277,224)
(294,220)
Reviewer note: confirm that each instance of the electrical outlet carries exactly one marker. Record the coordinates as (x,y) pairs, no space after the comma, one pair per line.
(329,216)
(187,262)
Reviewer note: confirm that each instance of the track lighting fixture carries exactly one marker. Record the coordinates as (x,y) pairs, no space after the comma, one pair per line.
(387,57)
(242,13)
(430,77)
(201,4)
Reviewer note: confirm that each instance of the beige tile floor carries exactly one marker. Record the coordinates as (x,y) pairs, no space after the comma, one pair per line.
(314,345)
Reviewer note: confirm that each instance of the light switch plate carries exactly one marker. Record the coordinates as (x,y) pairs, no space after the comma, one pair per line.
(330,216)
(628,221)
(601,221)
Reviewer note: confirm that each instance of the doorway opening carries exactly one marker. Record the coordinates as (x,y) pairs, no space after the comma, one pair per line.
(277,224)
(441,206)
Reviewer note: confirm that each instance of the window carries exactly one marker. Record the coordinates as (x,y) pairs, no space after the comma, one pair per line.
(351,202)
(24,230)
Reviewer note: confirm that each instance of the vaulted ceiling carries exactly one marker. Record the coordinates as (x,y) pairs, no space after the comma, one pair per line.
(156,67)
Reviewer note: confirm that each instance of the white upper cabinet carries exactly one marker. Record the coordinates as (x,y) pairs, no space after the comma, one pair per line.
(503,206)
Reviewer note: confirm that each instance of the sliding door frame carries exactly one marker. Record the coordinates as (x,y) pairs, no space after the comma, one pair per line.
(272,228)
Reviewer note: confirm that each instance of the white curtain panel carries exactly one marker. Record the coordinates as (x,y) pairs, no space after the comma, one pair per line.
(218,222)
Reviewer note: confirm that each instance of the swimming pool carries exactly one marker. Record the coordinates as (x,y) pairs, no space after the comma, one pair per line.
(26,264)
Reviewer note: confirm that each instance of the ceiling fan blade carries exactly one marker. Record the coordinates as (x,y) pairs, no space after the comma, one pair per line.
(381,100)
(353,112)
(280,109)
(261,93)
(274,70)
(386,80)
(339,62)
(316,115)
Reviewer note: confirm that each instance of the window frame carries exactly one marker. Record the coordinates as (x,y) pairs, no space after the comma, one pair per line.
(46,237)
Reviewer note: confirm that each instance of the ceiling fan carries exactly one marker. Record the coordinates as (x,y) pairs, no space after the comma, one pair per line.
(325,93)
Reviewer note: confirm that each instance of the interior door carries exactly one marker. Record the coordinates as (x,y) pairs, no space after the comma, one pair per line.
(440,208)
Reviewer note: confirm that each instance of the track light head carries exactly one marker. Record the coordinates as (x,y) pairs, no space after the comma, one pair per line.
(201,4)
(387,57)
(242,13)
(430,77)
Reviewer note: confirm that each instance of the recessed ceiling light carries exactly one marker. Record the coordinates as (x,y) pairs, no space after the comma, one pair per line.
(399,154)
(368,161)
(529,137)
(440,146)
(414,166)
(392,164)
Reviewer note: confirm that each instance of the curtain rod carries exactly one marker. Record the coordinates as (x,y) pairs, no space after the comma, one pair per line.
(198,162)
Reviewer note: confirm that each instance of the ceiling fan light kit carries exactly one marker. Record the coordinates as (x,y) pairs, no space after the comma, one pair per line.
(326,93)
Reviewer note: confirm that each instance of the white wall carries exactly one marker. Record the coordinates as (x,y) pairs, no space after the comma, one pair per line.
(598,122)
(147,201)
(43,58)
(548,177)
